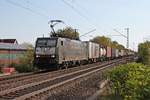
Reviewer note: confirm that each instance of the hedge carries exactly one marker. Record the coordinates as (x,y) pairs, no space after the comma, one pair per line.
(130,81)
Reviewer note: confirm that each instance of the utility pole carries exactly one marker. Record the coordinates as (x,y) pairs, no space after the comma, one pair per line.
(127,37)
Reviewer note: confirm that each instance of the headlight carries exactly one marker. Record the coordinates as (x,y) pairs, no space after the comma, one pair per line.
(52,56)
(37,56)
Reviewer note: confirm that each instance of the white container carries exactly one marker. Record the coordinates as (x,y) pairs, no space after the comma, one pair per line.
(93,50)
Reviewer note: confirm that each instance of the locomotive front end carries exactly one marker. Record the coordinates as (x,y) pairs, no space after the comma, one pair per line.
(45,54)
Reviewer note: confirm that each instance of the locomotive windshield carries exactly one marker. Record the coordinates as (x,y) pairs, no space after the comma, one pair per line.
(46,42)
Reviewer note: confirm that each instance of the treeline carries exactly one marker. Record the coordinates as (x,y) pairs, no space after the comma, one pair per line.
(144,52)
(107,42)
(69,32)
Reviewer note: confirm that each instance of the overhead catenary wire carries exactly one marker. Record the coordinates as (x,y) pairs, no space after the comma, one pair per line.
(27,8)
(88,32)
(120,33)
(83,16)
(113,35)
(30,10)
(41,14)
(36,6)
(73,8)
(79,6)
(39,7)
(97,25)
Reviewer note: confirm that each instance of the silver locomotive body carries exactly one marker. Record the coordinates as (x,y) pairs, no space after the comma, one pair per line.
(59,51)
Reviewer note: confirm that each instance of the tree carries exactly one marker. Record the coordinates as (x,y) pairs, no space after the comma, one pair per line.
(144,52)
(27,45)
(120,46)
(26,61)
(102,40)
(114,44)
(107,42)
(68,32)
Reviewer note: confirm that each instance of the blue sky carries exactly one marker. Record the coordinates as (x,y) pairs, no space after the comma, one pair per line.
(26,20)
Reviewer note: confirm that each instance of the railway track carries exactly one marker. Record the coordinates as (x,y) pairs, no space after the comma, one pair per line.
(28,91)
(27,79)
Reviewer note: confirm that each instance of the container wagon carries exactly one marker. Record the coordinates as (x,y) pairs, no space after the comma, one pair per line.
(102,53)
(108,52)
(113,54)
(93,51)
(117,53)
(121,53)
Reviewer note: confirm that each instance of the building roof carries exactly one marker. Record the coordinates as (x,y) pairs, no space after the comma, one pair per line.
(13,41)
(10,46)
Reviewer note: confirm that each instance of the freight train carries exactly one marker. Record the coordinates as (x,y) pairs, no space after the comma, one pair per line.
(58,52)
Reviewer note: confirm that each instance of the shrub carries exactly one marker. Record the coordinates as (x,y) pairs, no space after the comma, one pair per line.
(131,81)
(24,68)
(26,61)
(144,52)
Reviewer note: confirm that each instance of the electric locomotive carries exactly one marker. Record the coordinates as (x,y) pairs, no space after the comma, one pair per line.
(58,52)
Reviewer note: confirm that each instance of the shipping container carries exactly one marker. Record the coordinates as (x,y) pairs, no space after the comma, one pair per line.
(102,51)
(108,52)
(117,53)
(113,50)
(121,53)
(93,50)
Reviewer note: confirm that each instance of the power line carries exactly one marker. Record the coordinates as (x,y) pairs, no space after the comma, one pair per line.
(76,10)
(30,10)
(35,5)
(39,7)
(41,14)
(113,35)
(127,37)
(26,8)
(120,33)
(96,25)
(88,32)
(79,13)
(79,6)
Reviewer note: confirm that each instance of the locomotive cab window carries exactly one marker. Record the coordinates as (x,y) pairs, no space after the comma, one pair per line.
(46,42)
(62,43)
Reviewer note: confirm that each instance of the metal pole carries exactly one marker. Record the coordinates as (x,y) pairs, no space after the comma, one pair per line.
(127,37)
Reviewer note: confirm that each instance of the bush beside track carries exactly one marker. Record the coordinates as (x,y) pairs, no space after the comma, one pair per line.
(25,61)
(130,81)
